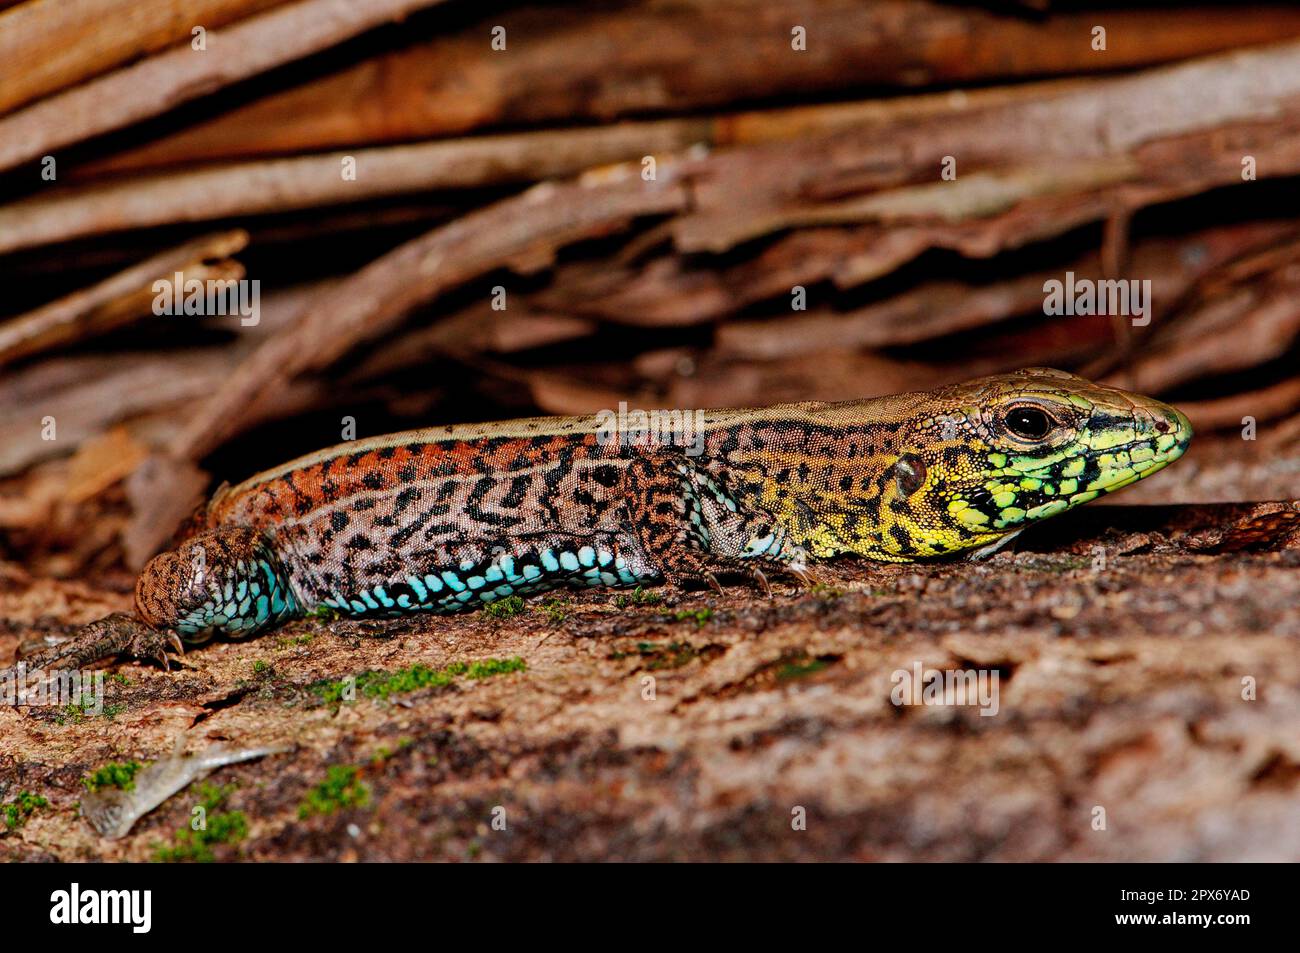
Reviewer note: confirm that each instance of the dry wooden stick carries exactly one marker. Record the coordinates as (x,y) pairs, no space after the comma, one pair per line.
(278,185)
(1262,327)
(748,192)
(526,228)
(47,45)
(1267,403)
(648,60)
(161,82)
(117,300)
(935,309)
(273,185)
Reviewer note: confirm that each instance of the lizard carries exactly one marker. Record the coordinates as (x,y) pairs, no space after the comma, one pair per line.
(452,518)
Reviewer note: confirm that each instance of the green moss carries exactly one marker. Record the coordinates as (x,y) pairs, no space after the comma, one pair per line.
(196,846)
(383,753)
(800,669)
(825,591)
(384,684)
(260,667)
(115,774)
(504,608)
(556,609)
(661,656)
(700,617)
(20,808)
(495,666)
(323,614)
(637,597)
(76,714)
(342,788)
(289,641)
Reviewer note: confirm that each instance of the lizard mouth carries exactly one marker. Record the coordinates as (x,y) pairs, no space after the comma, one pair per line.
(1161,434)
(1114,451)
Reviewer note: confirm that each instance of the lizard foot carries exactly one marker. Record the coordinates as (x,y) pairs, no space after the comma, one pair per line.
(113,635)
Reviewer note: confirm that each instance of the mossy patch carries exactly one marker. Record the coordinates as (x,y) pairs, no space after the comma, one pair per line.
(377,684)
(76,714)
(17,811)
(701,617)
(383,752)
(823,591)
(637,597)
(505,608)
(115,774)
(209,828)
(342,788)
(657,655)
(802,668)
(555,609)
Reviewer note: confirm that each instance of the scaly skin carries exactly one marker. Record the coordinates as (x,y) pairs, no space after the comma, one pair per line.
(451,518)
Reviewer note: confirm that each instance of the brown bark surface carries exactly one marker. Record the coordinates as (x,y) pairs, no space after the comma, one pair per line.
(1125,639)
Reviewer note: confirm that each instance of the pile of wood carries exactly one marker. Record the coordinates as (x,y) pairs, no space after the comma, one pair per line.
(670,203)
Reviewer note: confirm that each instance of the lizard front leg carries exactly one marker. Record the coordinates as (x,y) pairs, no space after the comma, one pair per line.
(691,525)
(225,581)
(113,635)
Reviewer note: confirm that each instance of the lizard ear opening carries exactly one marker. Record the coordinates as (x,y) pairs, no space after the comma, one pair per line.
(909,474)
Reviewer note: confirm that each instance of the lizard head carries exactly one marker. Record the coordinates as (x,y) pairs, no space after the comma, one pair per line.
(966,466)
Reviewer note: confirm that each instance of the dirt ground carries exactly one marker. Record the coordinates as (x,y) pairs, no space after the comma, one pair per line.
(1147,707)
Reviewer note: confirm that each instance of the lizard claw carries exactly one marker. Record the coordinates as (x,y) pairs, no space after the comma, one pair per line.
(806,578)
(761,579)
(150,643)
(712,580)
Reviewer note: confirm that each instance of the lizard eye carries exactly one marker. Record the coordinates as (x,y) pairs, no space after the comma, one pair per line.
(1028,423)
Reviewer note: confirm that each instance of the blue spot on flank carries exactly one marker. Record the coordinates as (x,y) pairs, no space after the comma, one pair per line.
(369,599)
(587,556)
(504,589)
(383,597)
(421,592)
(455,584)
(434,583)
(263,607)
(464,596)
(605,557)
(549,562)
(532,572)
(467,565)
(404,600)
(475,582)
(508,566)
(493,574)
(569,561)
